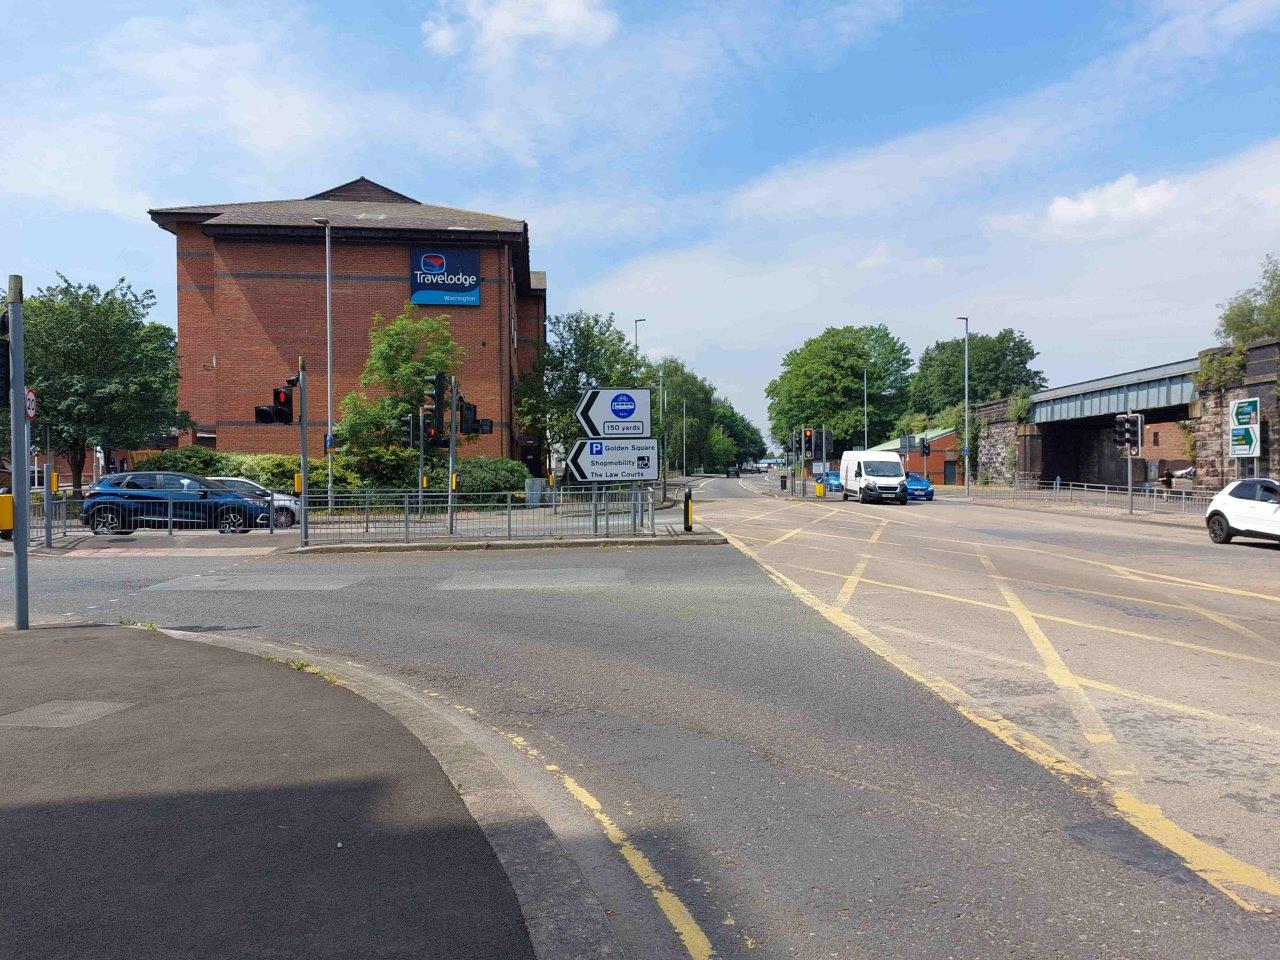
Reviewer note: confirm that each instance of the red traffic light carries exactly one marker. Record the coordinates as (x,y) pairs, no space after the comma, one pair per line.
(282,396)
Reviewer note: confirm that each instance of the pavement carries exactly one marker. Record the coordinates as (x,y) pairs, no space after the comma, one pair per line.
(164,798)
(941,730)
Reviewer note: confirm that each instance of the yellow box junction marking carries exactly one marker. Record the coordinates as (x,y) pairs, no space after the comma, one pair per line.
(1225,872)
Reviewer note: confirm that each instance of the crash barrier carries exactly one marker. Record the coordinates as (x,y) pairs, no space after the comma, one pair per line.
(407,516)
(1147,498)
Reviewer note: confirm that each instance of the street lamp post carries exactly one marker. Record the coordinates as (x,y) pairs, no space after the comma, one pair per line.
(638,321)
(328,352)
(965,446)
(866,444)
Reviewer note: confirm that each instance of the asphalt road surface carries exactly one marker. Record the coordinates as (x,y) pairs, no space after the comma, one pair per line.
(940,730)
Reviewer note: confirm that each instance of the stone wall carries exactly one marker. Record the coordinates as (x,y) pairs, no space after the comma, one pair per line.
(1214,466)
(997,448)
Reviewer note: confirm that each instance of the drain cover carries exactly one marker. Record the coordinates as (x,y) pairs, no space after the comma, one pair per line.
(62,713)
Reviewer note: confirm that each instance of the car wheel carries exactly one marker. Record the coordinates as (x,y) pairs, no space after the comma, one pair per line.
(284,518)
(232,521)
(1219,530)
(844,497)
(108,521)
(929,498)
(902,501)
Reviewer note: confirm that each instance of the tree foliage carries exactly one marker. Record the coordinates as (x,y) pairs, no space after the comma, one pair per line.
(103,374)
(583,350)
(998,365)
(745,435)
(405,354)
(1253,313)
(821,384)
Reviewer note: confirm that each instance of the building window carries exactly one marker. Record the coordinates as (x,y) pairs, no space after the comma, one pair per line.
(1155,438)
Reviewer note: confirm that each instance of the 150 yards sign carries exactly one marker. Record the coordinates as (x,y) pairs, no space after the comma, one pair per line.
(615,413)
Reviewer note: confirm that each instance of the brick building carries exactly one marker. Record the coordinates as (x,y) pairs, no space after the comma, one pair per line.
(251,300)
(945,463)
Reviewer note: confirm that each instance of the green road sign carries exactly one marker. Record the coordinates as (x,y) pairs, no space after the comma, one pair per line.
(1244,442)
(1244,413)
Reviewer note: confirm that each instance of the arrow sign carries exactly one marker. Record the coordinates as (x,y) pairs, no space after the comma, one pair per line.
(615,413)
(597,461)
(1244,413)
(1244,442)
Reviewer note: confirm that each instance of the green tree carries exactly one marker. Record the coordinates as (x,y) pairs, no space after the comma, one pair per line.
(583,350)
(720,451)
(104,375)
(405,353)
(998,365)
(745,435)
(686,424)
(1253,313)
(821,384)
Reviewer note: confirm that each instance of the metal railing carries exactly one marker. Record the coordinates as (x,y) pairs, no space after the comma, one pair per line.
(1147,498)
(409,516)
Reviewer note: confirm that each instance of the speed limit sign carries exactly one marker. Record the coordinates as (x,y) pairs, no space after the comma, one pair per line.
(30,403)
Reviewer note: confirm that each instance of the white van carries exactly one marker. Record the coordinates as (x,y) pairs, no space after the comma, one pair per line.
(872,475)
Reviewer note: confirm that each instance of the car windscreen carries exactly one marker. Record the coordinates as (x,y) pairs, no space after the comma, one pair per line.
(881,468)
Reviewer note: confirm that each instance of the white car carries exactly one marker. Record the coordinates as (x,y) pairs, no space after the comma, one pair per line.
(1245,508)
(286,507)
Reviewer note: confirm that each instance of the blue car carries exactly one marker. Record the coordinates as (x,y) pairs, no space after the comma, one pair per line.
(147,499)
(919,487)
(833,481)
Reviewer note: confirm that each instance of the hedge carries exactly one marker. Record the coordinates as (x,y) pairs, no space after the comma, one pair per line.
(384,467)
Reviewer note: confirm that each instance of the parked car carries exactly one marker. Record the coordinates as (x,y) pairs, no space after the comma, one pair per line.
(1245,508)
(833,481)
(124,502)
(287,508)
(733,471)
(872,475)
(1186,473)
(919,487)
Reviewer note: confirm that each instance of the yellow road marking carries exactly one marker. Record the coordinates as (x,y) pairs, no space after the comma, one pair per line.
(875,537)
(677,914)
(1184,644)
(1172,706)
(846,591)
(1217,867)
(1095,729)
(682,921)
(1223,620)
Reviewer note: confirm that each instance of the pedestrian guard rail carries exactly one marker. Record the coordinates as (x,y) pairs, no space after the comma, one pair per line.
(1147,498)
(407,516)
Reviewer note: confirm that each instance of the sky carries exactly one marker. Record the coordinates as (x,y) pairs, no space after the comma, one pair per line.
(1099,175)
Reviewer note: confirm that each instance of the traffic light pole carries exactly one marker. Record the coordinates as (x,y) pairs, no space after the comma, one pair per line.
(304,527)
(1128,467)
(18,453)
(453,445)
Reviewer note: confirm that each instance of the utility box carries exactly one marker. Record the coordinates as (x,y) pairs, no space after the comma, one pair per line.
(534,488)
(6,511)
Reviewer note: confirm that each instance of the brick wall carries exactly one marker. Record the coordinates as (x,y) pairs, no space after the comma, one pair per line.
(248,310)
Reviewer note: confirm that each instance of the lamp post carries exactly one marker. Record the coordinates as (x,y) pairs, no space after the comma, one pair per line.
(328,352)
(638,321)
(965,445)
(866,444)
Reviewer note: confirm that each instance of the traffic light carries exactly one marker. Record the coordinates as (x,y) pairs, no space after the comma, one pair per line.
(1120,433)
(438,428)
(467,418)
(1128,434)
(407,432)
(925,449)
(282,405)
(808,443)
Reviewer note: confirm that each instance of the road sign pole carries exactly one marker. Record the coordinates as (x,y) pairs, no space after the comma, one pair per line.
(18,454)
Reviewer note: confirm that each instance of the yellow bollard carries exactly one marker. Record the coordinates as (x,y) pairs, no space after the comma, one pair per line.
(453,485)
(53,481)
(819,489)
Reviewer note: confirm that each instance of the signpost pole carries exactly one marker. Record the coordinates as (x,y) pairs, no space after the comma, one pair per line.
(18,454)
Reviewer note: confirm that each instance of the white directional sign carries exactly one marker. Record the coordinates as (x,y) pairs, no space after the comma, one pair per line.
(615,413)
(597,461)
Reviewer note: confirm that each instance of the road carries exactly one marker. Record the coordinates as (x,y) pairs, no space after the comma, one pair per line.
(862,731)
